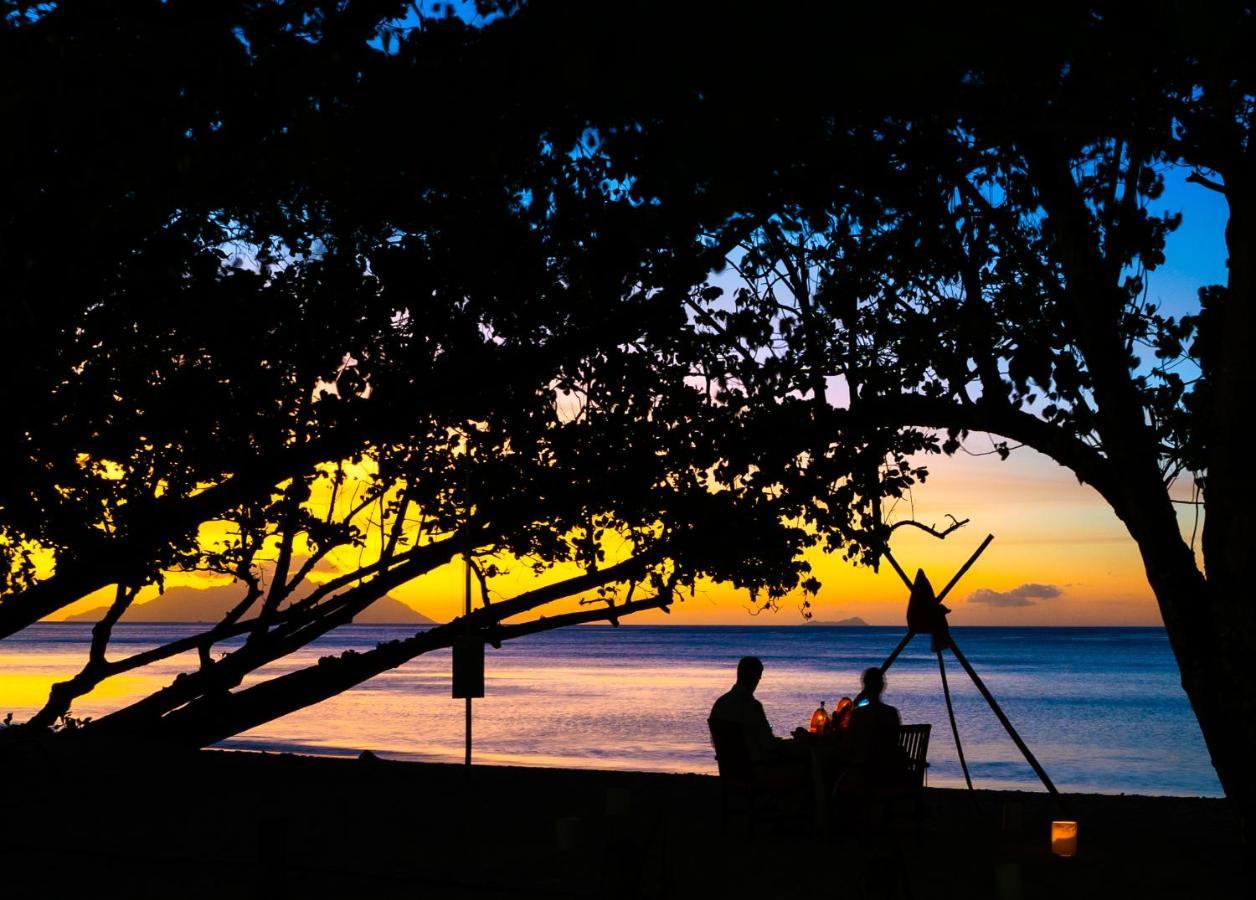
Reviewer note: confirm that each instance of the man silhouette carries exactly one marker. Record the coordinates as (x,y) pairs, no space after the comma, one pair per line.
(739,706)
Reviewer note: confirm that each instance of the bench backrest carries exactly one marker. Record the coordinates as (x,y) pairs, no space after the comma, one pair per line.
(914,742)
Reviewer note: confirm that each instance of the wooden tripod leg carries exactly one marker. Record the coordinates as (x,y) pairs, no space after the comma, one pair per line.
(1007,724)
(950,712)
(965,567)
(897,568)
(889,660)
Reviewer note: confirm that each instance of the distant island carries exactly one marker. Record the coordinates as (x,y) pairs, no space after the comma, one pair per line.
(852,622)
(209,605)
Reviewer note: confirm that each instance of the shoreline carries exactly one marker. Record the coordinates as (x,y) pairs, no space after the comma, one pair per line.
(393,757)
(672,625)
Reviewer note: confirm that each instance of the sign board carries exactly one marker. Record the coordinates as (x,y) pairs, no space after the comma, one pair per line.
(469,666)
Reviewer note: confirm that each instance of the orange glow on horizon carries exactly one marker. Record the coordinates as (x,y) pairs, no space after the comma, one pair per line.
(1050,533)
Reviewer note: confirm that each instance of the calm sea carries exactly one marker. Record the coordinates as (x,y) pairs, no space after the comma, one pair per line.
(1102,708)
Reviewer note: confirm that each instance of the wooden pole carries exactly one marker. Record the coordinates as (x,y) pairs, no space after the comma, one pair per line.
(1007,724)
(467,611)
(950,713)
(899,569)
(889,660)
(965,567)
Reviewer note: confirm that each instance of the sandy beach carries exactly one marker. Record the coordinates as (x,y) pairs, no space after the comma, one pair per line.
(218,824)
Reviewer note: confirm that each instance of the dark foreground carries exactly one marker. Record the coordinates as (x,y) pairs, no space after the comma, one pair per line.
(250,825)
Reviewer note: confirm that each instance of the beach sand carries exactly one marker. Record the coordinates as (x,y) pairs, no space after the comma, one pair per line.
(218,824)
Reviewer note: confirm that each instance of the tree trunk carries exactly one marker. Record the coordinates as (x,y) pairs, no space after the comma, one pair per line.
(1209,620)
(1220,679)
(214,718)
(1214,659)
(1229,495)
(1209,625)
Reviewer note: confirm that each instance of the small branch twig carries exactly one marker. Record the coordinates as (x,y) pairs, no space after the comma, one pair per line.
(931,529)
(612,613)
(482,579)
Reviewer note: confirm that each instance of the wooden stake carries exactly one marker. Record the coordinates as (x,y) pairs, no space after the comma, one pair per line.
(899,569)
(965,567)
(467,611)
(1007,725)
(889,660)
(950,712)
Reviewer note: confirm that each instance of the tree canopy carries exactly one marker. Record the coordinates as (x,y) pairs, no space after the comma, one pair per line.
(716,280)
(362,312)
(952,231)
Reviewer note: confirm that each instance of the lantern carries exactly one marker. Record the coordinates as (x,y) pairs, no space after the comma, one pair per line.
(1064,838)
(842,712)
(819,720)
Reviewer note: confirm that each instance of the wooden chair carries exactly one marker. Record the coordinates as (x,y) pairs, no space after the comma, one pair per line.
(913,740)
(758,792)
(881,803)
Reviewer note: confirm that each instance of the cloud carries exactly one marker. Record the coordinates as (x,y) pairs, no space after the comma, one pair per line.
(1024,595)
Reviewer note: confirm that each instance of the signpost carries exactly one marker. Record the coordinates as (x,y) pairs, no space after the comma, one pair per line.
(468,662)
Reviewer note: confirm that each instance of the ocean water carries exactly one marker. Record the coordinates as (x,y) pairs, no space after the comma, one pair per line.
(1102,708)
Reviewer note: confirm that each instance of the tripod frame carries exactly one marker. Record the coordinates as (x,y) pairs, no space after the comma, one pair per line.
(927,615)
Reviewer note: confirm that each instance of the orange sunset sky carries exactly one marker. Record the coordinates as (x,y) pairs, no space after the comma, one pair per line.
(1048,529)
(1060,557)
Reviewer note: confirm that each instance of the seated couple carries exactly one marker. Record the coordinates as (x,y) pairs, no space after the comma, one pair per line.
(866,754)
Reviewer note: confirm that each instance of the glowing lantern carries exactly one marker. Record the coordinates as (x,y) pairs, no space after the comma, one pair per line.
(1064,838)
(842,712)
(819,720)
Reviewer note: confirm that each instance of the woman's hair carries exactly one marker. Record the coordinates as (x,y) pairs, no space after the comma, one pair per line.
(873,682)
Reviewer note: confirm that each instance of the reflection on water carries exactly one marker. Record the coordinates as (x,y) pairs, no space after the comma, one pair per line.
(1102,708)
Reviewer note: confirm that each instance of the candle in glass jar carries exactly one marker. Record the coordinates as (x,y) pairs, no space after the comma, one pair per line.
(1064,838)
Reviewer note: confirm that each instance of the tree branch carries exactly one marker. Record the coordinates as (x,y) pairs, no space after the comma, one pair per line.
(152,527)
(203,723)
(906,410)
(63,694)
(226,673)
(1198,178)
(929,529)
(610,613)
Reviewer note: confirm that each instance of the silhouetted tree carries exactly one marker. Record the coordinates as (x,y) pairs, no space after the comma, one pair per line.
(469,311)
(964,245)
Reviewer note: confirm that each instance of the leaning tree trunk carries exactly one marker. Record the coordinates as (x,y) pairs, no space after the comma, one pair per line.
(1216,658)
(214,718)
(1209,624)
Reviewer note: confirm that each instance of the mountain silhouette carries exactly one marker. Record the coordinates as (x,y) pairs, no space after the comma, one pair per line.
(209,605)
(852,622)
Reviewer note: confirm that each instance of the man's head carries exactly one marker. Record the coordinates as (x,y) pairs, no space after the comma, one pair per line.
(749,671)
